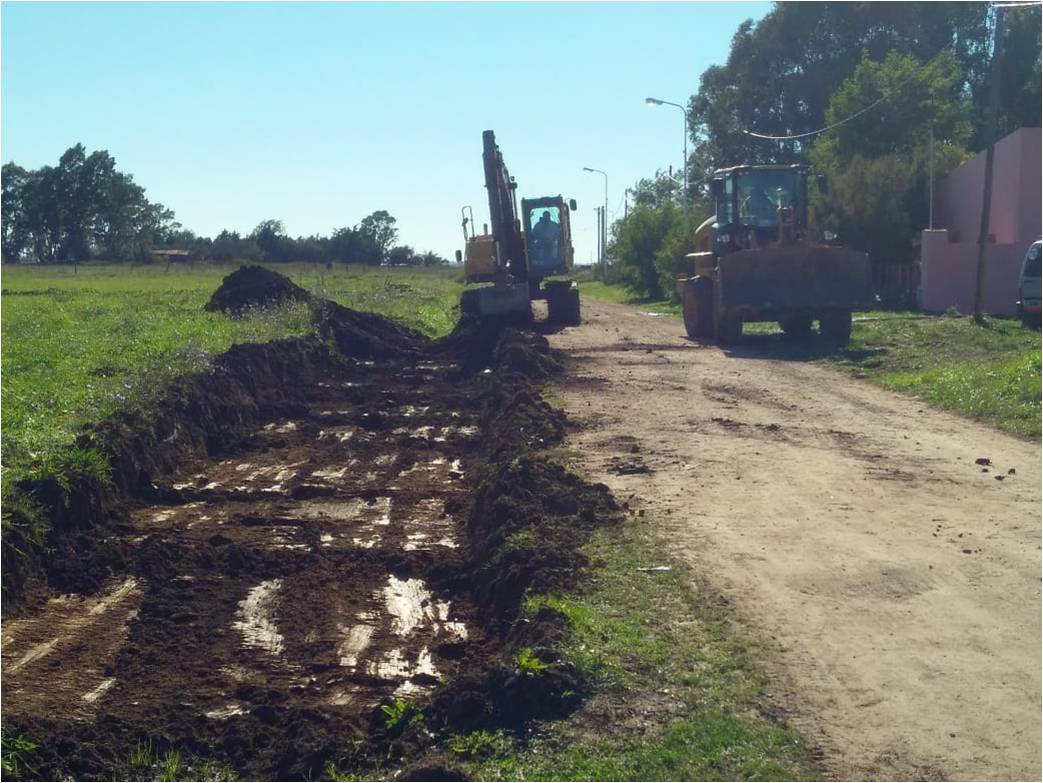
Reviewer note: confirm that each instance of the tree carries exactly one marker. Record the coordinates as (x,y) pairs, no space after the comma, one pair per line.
(430,258)
(877,163)
(81,208)
(649,248)
(401,255)
(379,233)
(15,232)
(782,72)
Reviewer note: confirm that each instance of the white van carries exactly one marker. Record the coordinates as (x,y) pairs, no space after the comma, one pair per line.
(1028,287)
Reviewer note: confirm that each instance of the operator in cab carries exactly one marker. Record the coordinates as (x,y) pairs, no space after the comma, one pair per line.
(546,237)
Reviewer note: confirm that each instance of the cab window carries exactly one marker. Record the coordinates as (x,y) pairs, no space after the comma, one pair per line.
(545,240)
(1032,261)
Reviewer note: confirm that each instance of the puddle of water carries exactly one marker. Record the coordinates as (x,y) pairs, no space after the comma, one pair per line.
(92,696)
(226,712)
(342,434)
(257,613)
(355,641)
(288,426)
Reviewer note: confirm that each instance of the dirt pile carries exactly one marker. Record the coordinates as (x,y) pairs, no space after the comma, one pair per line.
(309,556)
(254,286)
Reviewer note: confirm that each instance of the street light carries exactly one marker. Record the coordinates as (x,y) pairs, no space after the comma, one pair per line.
(684,112)
(604,223)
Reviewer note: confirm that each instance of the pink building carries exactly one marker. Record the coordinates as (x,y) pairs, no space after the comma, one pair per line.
(949,254)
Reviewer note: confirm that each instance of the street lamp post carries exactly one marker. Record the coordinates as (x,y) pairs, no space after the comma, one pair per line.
(604,223)
(684,113)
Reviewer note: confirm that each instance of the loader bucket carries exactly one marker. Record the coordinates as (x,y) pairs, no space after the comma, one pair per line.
(797,276)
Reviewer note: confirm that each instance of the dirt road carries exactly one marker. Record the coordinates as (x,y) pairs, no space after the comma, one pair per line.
(899,580)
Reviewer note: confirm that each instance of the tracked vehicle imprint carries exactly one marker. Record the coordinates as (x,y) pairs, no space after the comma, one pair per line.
(303,550)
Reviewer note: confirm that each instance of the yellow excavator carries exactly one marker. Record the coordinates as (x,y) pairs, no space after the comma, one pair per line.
(520,252)
(755,261)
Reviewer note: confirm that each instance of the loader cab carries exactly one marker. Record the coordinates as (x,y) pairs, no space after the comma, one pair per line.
(757,205)
(548,235)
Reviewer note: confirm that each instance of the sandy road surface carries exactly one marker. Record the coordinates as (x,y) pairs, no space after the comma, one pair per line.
(900,582)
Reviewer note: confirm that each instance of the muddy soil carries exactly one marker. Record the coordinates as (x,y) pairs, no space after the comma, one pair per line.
(342,547)
(897,580)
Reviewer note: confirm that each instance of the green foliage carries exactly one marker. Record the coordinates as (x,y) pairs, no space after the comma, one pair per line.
(878,164)
(529,664)
(479,744)
(169,766)
(400,714)
(81,207)
(649,248)
(990,373)
(16,750)
(144,755)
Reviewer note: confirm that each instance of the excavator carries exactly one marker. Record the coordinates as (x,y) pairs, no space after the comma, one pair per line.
(755,261)
(520,252)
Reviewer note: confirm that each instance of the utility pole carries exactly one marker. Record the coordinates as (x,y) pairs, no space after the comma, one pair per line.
(930,180)
(991,123)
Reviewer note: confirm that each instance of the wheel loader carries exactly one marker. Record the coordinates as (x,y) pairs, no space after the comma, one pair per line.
(520,252)
(755,261)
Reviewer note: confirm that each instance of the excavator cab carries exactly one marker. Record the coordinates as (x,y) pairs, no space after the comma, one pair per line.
(548,236)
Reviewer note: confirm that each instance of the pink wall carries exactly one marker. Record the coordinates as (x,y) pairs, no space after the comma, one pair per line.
(948,272)
(948,268)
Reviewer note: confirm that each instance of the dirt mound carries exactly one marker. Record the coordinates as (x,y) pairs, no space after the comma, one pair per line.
(254,286)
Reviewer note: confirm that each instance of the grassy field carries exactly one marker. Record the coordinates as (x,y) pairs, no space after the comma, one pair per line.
(79,345)
(990,373)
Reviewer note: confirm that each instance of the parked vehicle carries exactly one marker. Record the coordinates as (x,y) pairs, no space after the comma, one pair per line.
(1028,287)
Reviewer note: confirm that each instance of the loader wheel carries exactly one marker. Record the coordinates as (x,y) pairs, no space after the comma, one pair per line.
(727,327)
(697,306)
(562,304)
(469,302)
(835,325)
(797,325)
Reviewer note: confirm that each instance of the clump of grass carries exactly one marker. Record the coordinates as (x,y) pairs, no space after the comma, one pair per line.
(529,665)
(479,744)
(16,749)
(651,642)
(400,714)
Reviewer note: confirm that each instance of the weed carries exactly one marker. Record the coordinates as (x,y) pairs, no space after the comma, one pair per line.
(143,756)
(170,766)
(13,756)
(400,714)
(479,744)
(529,664)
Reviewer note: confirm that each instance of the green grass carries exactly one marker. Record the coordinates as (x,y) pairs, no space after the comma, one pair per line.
(82,344)
(990,373)
(649,642)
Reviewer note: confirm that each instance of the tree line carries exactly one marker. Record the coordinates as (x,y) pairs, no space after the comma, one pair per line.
(85,209)
(921,71)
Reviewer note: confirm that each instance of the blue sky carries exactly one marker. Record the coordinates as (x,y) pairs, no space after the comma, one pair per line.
(319,113)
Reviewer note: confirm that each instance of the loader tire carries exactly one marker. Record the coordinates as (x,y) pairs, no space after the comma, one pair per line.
(796,325)
(835,326)
(563,304)
(469,302)
(697,307)
(727,327)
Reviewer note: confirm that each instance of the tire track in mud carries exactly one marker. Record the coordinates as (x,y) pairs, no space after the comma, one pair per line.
(363,536)
(316,568)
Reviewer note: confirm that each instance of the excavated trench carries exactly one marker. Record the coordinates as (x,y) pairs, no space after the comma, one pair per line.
(269,584)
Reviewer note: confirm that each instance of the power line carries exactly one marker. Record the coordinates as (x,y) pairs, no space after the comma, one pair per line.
(820,130)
